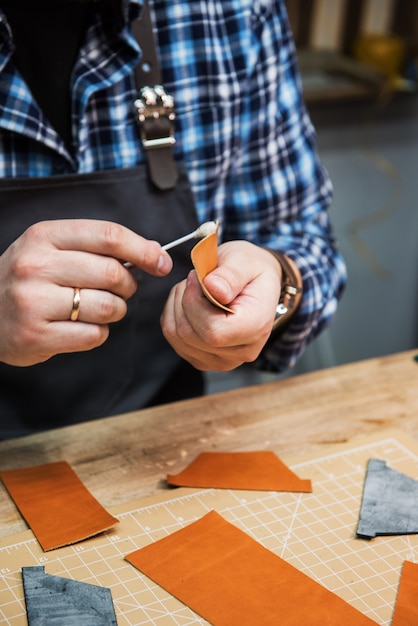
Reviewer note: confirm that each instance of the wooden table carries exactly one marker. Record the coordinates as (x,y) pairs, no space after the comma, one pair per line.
(127,457)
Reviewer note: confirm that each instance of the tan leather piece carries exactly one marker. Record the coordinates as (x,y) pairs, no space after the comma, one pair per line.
(406,606)
(260,470)
(204,257)
(229,578)
(56,505)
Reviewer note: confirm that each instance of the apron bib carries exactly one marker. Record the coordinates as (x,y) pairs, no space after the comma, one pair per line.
(130,369)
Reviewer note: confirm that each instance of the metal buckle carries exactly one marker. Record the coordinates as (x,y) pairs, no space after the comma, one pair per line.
(156,117)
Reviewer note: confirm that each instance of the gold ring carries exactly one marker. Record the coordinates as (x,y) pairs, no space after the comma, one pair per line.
(76,305)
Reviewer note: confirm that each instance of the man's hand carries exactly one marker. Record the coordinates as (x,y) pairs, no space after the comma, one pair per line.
(248,280)
(38,274)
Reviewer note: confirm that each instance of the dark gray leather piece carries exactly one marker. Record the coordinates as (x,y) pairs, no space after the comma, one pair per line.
(64,602)
(389,504)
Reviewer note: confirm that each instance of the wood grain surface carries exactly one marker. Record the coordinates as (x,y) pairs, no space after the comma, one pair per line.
(123,458)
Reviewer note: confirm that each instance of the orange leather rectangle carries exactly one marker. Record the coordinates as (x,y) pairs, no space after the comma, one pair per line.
(406,607)
(55,503)
(229,578)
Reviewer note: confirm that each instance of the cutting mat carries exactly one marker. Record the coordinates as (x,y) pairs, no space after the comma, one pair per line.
(315,532)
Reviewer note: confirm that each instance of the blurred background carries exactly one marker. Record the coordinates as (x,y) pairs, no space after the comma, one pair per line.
(359,66)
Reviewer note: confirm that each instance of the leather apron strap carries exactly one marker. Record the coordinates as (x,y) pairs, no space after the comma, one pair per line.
(147,72)
(155,108)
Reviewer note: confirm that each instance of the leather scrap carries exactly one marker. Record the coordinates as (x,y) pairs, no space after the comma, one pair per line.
(259,470)
(204,256)
(229,578)
(389,502)
(65,602)
(406,606)
(55,503)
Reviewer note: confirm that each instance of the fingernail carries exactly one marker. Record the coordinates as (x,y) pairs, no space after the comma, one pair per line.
(164,264)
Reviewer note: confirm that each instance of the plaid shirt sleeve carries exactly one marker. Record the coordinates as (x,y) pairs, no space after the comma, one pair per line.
(293,191)
(251,149)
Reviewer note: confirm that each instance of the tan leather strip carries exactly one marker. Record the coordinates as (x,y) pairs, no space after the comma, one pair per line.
(204,257)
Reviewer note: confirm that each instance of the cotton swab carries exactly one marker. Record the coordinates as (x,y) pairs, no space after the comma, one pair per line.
(205,229)
(208,228)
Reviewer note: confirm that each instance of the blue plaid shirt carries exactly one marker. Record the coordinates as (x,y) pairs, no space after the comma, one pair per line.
(241,128)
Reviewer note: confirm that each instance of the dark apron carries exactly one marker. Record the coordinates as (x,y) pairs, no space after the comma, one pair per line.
(136,366)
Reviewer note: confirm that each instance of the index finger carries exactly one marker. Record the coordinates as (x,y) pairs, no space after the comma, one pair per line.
(110,239)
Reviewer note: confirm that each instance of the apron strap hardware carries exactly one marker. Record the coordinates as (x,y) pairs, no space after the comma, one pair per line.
(156,117)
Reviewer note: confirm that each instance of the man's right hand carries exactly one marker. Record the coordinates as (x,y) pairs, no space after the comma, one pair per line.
(41,269)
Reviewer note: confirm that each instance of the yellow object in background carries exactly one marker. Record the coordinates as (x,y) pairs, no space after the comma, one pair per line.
(385,53)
